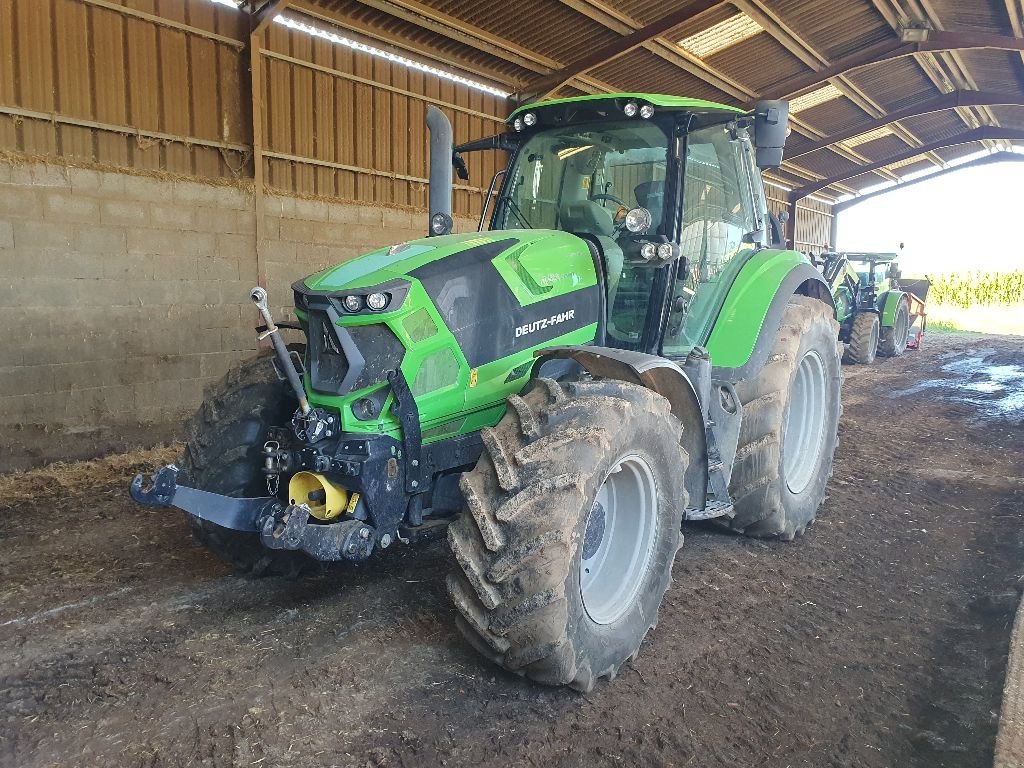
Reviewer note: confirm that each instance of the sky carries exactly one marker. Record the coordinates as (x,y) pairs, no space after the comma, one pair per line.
(962,221)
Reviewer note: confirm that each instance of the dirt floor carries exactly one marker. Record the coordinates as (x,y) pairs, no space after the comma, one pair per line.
(880,639)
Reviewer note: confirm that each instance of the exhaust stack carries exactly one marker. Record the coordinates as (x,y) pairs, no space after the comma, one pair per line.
(440,194)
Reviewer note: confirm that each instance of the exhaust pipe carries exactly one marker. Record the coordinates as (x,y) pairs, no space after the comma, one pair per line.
(440,194)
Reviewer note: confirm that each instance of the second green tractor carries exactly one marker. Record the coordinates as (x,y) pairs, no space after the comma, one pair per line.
(624,345)
(878,314)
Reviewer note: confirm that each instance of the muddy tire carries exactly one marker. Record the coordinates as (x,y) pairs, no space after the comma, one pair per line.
(788,434)
(223,445)
(893,341)
(864,334)
(573,520)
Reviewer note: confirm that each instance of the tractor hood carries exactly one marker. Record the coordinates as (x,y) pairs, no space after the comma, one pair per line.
(541,249)
(459,315)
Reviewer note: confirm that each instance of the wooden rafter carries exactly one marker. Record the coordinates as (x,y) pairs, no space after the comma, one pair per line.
(996,157)
(887,51)
(602,55)
(938,104)
(267,13)
(986,133)
(805,52)
(462,32)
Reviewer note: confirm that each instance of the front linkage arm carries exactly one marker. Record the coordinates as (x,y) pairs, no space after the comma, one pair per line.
(278,526)
(225,511)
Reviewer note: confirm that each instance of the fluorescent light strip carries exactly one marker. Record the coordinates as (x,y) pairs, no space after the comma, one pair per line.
(814,98)
(314,31)
(864,138)
(733,30)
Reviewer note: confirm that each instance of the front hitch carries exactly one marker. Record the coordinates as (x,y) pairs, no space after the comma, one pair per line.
(225,511)
(278,526)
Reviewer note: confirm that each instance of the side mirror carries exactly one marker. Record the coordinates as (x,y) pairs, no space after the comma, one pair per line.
(771,125)
(460,166)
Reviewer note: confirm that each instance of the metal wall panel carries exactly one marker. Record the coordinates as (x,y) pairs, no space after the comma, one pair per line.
(142,87)
(163,85)
(343,123)
(813,219)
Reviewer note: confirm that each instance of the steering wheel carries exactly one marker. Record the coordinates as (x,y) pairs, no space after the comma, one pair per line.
(613,198)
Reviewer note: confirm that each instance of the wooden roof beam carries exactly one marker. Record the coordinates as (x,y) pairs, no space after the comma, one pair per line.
(987,133)
(805,52)
(937,104)
(995,157)
(613,19)
(549,83)
(420,15)
(886,51)
(266,14)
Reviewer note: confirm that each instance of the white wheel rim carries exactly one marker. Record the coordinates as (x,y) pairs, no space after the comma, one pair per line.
(804,431)
(618,540)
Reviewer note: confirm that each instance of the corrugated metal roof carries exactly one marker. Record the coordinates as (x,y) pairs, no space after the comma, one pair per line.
(827,26)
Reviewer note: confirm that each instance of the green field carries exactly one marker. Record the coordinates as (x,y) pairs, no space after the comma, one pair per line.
(982,302)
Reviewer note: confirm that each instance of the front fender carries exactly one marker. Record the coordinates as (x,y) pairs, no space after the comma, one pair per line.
(661,376)
(744,332)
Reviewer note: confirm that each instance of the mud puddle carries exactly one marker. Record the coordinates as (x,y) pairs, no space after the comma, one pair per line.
(993,387)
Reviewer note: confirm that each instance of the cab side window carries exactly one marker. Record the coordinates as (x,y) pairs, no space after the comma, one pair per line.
(718,214)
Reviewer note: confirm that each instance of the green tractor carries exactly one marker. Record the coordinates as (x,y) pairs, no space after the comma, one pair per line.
(625,346)
(877,314)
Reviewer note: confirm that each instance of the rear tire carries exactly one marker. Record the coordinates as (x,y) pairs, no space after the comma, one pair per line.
(864,335)
(223,446)
(789,430)
(893,341)
(552,584)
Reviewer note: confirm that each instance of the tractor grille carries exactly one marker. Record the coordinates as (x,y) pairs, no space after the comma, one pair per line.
(342,360)
(328,364)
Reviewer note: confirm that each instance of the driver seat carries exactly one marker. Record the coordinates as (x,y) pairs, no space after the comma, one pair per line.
(588,217)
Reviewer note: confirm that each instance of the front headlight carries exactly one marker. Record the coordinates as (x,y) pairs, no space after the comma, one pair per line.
(377,301)
(638,220)
(440,224)
(352,303)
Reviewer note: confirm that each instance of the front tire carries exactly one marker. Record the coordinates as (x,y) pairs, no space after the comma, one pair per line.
(864,336)
(223,453)
(789,430)
(573,521)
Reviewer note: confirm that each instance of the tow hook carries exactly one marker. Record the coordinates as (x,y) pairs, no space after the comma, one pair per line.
(289,528)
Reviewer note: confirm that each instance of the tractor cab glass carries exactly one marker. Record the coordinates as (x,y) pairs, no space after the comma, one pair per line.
(722,220)
(596,181)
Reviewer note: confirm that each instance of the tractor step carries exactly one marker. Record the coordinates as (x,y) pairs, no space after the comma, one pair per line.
(713,509)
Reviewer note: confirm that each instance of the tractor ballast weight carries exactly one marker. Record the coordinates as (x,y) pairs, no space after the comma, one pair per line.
(621,349)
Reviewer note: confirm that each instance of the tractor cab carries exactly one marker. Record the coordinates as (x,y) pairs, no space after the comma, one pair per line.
(665,191)
(877,270)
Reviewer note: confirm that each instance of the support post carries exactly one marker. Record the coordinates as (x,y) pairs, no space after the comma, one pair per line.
(791,223)
(256,73)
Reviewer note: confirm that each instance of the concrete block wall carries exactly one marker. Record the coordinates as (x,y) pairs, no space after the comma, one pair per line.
(122,296)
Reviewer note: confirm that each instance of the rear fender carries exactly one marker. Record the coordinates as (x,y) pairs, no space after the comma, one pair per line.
(889,302)
(661,376)
(744,332)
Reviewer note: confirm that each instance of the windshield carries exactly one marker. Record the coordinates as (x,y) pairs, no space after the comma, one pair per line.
(583,179)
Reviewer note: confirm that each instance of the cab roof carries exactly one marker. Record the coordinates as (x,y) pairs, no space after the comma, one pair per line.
(657,99)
